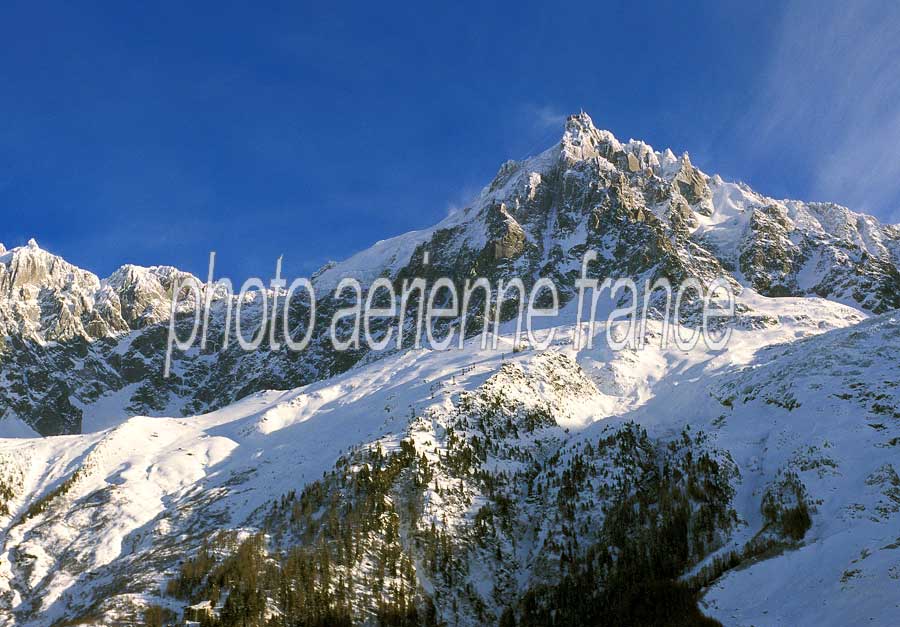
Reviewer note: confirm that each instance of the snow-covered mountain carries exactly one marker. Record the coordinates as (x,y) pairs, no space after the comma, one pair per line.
(757,484)
(46,299)
(81,353)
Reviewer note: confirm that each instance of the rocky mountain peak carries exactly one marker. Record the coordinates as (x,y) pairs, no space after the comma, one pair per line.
(31,266)
(144,293)
(44,297)
(579,122)
(583,141)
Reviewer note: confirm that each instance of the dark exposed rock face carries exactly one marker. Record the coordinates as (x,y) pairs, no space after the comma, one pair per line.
(71,339)
(509,238)
(769,259)
(692,185)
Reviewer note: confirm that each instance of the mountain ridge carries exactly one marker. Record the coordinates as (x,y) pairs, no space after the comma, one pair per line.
(648,214)
(514,486)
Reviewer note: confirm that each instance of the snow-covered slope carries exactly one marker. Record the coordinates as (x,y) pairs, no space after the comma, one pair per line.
(475,486)
(99,522)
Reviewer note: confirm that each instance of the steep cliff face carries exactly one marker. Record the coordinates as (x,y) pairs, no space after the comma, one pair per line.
(69,337)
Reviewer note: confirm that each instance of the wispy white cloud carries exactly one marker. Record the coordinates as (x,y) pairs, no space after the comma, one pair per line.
(833,83)
(465,198)
(545,117)
(534,127)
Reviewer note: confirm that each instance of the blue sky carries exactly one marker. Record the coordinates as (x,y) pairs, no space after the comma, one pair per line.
(156,134)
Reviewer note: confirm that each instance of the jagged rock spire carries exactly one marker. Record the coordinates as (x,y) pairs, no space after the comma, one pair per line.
(582,140)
